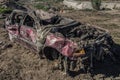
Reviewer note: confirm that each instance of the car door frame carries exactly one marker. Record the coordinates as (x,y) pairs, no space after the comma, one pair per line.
(23,35)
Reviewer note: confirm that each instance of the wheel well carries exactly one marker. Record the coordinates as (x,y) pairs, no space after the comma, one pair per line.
(50,53)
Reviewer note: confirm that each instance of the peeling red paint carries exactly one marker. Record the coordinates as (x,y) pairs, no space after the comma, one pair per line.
(64,46)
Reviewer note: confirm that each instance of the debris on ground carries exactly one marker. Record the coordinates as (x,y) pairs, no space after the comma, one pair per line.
(6,46)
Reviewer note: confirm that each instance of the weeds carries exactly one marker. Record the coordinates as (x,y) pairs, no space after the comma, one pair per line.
(5,10)
(54,1)
(96,4)
(46,4)
(43,7)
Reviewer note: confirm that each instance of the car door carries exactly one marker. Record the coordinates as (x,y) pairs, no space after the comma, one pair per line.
(27,30)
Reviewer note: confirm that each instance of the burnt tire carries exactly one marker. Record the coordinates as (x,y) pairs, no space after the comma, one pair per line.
(51,53)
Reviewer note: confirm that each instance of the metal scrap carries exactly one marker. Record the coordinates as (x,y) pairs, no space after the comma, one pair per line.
(73,44)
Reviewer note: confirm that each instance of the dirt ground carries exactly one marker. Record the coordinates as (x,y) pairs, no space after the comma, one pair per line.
(19,63)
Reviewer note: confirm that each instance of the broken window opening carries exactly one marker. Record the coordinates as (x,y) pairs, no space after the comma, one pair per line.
(29,21)
(16,18)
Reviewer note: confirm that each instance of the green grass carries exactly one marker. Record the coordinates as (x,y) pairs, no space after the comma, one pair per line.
(53,1)
(47,4)
(41,6)
(96,4)
(5,10)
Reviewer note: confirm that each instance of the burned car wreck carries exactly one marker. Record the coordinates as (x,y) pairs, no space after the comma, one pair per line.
(69,42)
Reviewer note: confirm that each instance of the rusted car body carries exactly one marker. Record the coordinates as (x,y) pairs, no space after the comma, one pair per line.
(59,38)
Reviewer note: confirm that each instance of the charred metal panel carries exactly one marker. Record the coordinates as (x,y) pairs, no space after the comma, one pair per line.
(63,45)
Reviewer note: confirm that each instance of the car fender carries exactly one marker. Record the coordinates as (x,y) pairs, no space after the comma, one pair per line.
(65,46)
